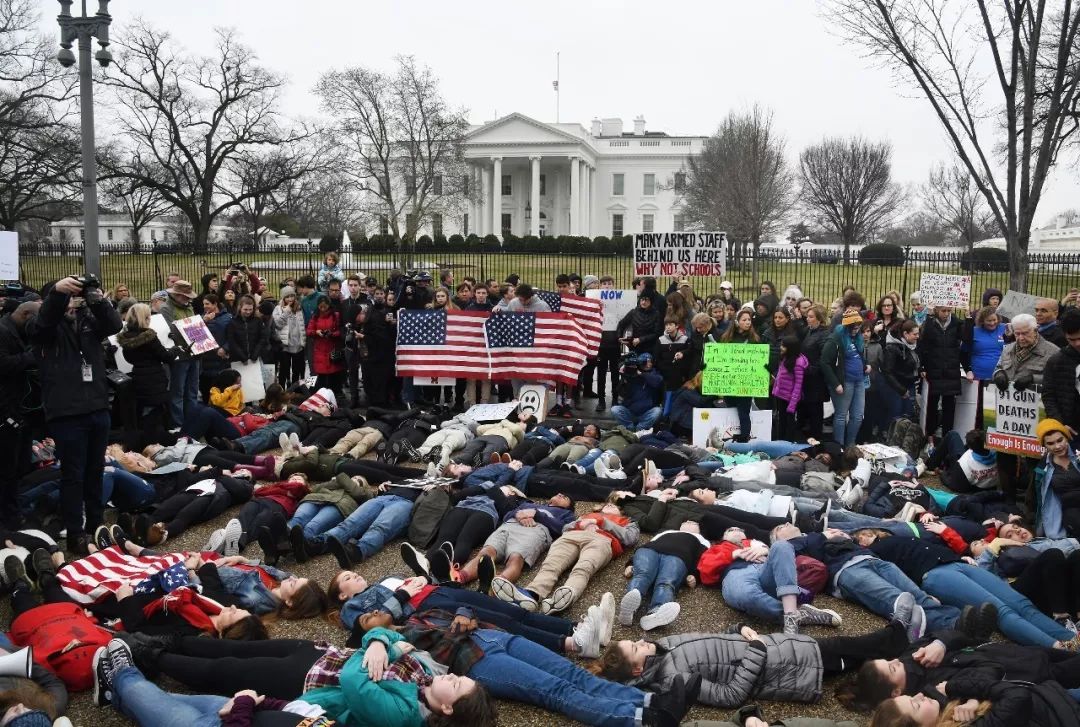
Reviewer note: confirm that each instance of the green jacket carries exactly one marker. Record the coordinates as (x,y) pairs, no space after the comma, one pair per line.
(359,702)
(342,492)
(617,439)
(652,515)
(832,358)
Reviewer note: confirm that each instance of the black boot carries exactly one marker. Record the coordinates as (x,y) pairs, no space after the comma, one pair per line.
(601,405)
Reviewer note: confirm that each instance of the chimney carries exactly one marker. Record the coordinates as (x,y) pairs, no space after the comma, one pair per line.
(597,125)
(639,126)
(611,127)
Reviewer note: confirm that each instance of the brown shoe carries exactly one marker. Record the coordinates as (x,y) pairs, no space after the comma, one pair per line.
(506,459)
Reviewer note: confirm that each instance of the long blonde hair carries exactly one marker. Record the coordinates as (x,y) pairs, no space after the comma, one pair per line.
(138,316)
(947,720)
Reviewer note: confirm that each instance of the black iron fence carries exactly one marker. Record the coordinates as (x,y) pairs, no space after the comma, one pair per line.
(819,273)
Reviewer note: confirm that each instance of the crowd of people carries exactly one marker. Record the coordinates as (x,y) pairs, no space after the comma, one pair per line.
(503,523)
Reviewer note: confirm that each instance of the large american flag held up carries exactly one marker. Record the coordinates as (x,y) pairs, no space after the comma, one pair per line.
(588,312)
(478,345)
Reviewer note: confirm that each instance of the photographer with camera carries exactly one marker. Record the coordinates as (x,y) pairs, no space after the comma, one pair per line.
(640,390)
(416,291)
(241,280)
(20,397)
(67,335)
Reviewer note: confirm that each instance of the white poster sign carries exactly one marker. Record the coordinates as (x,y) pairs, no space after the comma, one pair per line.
(939,289)
(533,397)
(122,364)
(726,419)
(617,303)
(1016,303)
(680,253)
(491,412)
(9,255)
(161,327)
(251,380)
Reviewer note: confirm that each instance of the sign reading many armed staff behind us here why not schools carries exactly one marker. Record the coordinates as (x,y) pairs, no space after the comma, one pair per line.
(680,253)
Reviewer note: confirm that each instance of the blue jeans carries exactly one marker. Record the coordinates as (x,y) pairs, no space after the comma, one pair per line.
(663,573)
(547,631)
(848,412)
(266,438)
(961,584)
(146,703)
(515,668)
(316,518)
(80,447)
(183,388)
(635,422)
(373,524)
(896,405)
(593,455)
(777,448)
(757,588)
(201,421)
(126,490)
(876,583)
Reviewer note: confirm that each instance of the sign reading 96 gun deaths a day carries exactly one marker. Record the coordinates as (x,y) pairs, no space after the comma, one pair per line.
(952,291)
(680,253)
(1010,418)
(736,369)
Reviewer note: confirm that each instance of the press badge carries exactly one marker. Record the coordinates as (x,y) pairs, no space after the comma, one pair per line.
(87,372)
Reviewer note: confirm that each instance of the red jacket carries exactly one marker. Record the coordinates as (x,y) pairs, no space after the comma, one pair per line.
(715,561)
(320,357)
(599,518)
(286,494)
(49,629)
(246,423)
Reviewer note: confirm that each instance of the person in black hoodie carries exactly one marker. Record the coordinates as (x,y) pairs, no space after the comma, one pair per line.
(900,370)
(20,399)
(247,339)
(939,358)
(811,409)
(641,328)
(143,350)
(374,341)
(210,283)
(67,334)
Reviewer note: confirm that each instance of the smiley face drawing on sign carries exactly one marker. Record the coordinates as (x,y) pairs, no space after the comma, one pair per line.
(531,400)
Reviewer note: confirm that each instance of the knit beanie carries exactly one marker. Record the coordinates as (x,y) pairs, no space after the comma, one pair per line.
(1050,425)
(851,318)
(287,291)
(589,280)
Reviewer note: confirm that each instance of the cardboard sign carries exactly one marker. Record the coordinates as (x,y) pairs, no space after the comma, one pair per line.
(251,380)
(161,327)
(491,412)
(736,369)
(532,398)
(617,303)
(726,419)
(680,253)
(1013,304)
(122,364)
(196,334)
(9,255)
(953,291)
(1010,419)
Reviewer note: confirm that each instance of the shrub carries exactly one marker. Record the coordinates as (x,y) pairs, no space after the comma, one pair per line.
(530,243)
(423,241)
(885,254)
(491,243)
(330,243)
(457,240)
(985,259)
(439,241)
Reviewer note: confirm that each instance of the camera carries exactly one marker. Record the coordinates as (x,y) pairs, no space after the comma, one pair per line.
(88,281)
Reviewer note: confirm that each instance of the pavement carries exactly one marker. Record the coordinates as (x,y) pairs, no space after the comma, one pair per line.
(702,610)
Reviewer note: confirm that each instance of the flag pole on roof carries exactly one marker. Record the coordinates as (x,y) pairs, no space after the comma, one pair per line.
(555,85)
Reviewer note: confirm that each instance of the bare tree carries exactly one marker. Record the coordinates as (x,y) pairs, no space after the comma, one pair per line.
(141,203)
(953,199)
(401,139)
(1066,218)
(847,186)
(741,182)
(189,122)
(1006,126)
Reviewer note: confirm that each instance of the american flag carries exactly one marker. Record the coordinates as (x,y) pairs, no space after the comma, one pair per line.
(534,346)
(478,345)
(589,313)
(91,579)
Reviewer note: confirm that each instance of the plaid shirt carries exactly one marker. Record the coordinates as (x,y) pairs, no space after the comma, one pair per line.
(326,672)
(430,631)
(408,669)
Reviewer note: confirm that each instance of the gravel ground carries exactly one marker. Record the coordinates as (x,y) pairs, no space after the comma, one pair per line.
(702,610)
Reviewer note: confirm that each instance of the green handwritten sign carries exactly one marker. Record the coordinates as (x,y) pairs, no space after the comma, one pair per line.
(736,369)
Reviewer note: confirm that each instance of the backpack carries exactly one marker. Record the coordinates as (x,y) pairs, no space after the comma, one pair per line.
(427,514)
(908,436)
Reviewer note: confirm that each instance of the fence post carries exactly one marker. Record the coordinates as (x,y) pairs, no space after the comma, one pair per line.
(904,285)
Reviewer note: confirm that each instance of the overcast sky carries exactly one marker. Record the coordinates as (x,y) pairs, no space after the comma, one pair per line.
(683,64)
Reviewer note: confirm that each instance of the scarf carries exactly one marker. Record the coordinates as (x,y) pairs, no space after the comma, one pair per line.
(189,605)
(1023,354)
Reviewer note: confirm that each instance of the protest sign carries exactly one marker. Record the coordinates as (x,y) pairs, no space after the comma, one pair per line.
(251,380)
(198,336)
(532,398)
(617,303)
(680,253)
(939,289)
(9,255)
(161,327)
(726,419)
(122,364)
(491,412)
(1010,418)
(736,369)
(1016,303)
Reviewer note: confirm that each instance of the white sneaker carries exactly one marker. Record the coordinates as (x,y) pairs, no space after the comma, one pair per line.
(607,616)
(853,497)
(233,531)
(612,460)
(285,443)
(577,468)
(920,467)
(587,639)
(662,616)
(642,433)
(600,468)
(629,605)
(215,542)
(295,439)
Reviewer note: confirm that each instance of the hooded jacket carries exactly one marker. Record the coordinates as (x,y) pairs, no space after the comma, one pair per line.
(1059,394)
(900,364)
(289,329)
(143,350)
(646,325)
(939,355)
(833,353)
(342,492)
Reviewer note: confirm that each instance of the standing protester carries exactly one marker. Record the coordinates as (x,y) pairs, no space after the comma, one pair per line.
(811,408)
(845,369)
(741,332)
(247,334)
(1061,395)
(67,334)
(900,371)
(184,371)
(939,355)
(150,379)
(788,387)
(1046,314)
(289,331)
(212,363)
(327,358)
(20,399)
(607,359)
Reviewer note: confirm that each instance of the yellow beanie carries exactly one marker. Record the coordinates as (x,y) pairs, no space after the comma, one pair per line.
(851,317)
(1050,425)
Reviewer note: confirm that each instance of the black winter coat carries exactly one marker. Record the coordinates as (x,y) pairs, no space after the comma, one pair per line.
(939,356)
(18,390)
(1059,394)
(150,378)
(62,347)
(814,386)
(899,366)
(647,325)
(247,339)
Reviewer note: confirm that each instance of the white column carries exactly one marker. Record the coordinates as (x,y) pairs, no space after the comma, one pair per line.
(484,218)
(534,197)
(586,203)
(575,196)
(496,196)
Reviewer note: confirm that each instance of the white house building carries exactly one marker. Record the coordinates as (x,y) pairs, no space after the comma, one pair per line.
(1057,238)
(114,231)
(537,178)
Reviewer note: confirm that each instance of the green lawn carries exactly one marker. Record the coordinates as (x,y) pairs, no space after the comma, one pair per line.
(820,281)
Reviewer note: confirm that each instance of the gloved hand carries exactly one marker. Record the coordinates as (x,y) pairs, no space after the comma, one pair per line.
(1023,381)
(93,296)
(1001,381)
